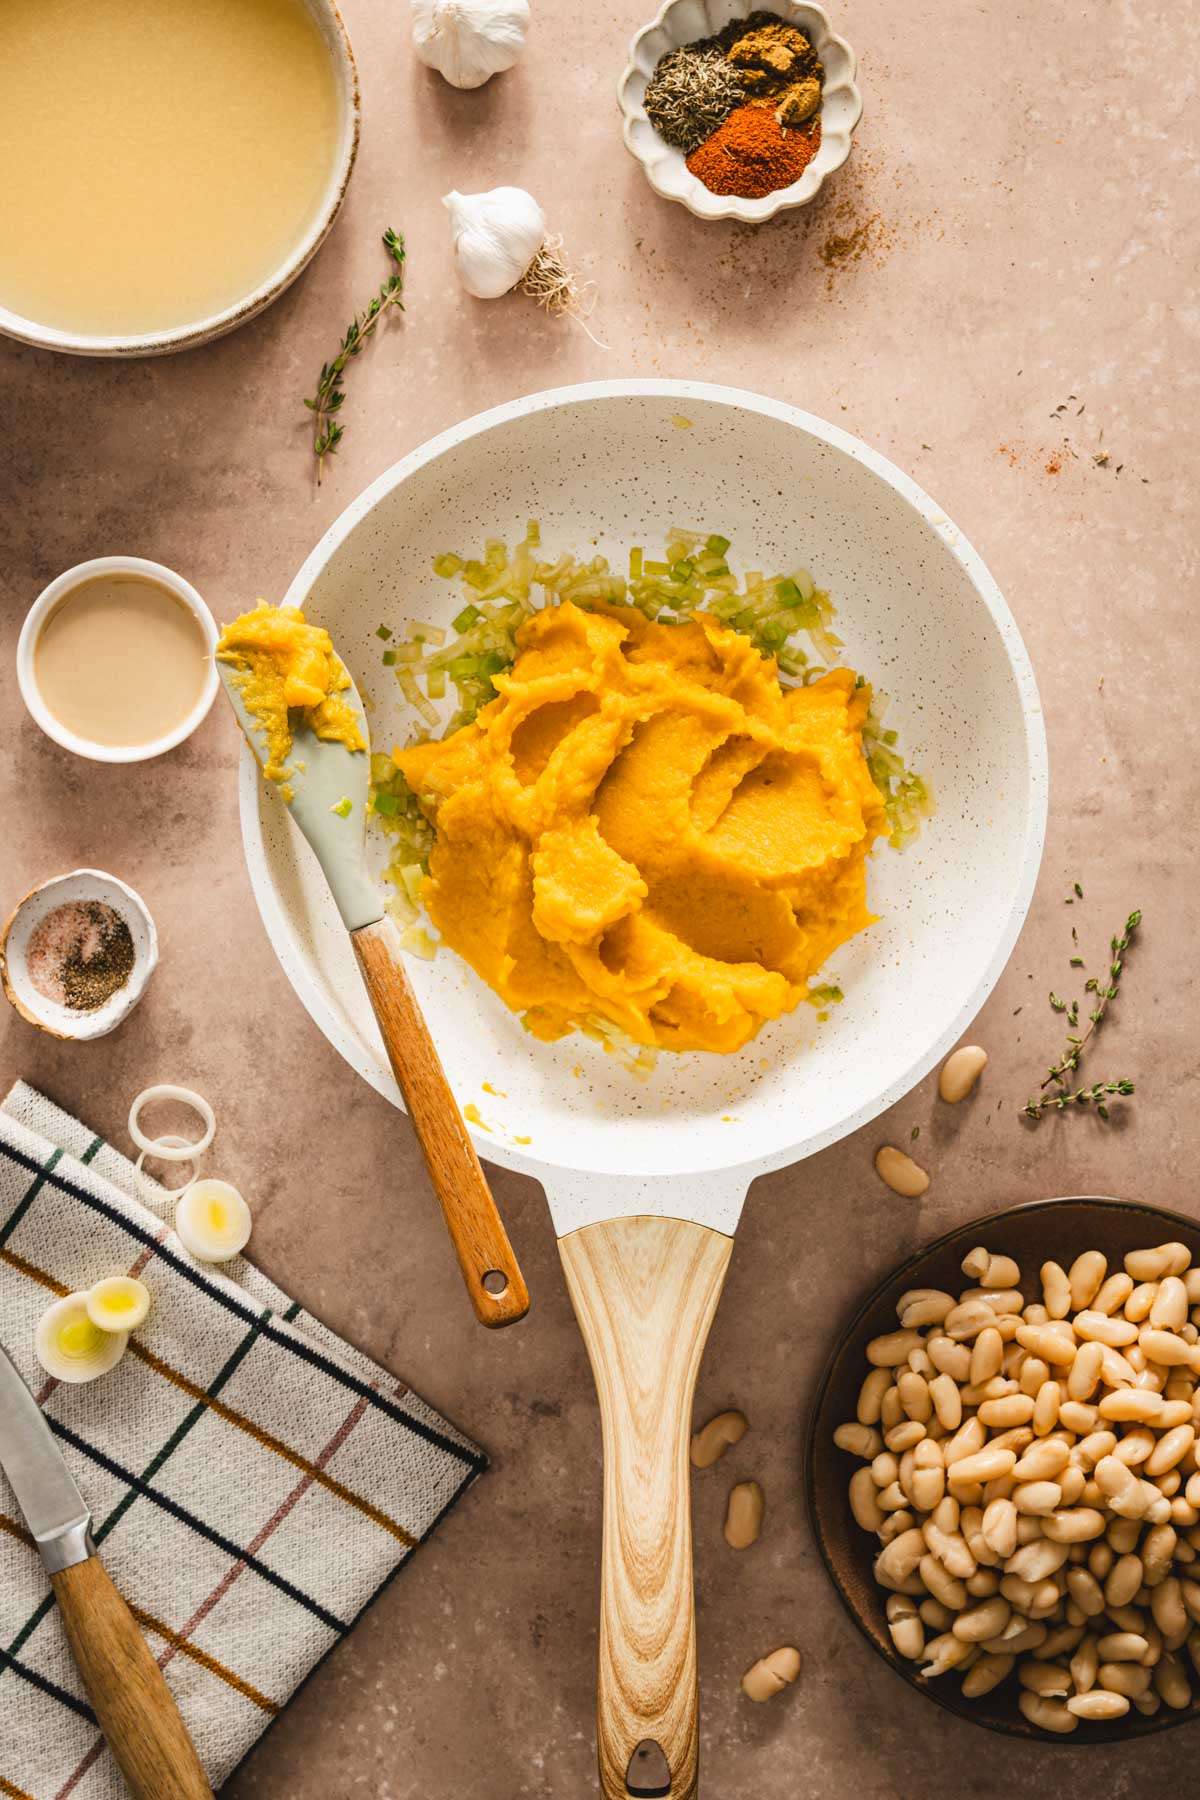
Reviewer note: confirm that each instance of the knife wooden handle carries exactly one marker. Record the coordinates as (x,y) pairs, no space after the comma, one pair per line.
(645,1291)
(494,1281)
(126,1687)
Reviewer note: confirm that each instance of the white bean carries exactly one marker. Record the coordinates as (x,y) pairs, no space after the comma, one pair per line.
(986,1674)
(1171,1682)
(1171,1449)
(771,1673)
(1098,1328)
(1052,1346)
(870,1399)
(712,1441)
(1152,1265)
(947,1401)
(905,1626)
(892,1348)
(1056,1290)
(960,1071)
(1085,1275)
(914,1396)
(1122,1646)
(863,1503)
(949,1358)
(1098,1705)
(984,1465)
(1167,1348)
(968,1319)
(923,1306)
(990,1270)
(1049,1715)
(1125,1404)
(744,1513)
(859,1440)
(1113,1293)
(900,1172)
(1085,1372)
(1170,1308)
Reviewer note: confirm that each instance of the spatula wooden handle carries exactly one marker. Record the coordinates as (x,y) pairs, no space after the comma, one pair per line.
(485,1256)
(645,1291)
(126,1687)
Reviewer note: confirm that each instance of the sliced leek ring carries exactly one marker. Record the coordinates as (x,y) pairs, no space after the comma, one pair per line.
(118,1303)
(213,1221)
(70,1347)
(172,1149)
(153,1191)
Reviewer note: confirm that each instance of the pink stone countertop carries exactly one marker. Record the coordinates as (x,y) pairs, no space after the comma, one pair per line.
(1017,228)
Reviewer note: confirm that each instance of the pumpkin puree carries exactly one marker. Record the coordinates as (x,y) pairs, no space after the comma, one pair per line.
(289,665)
(645,829)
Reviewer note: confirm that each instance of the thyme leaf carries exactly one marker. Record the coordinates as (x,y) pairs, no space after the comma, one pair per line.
(1070,1060)
(1105,989)
(327,402)
(1084,1096)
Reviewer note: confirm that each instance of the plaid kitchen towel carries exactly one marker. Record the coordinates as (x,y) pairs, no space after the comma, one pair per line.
(254,1480)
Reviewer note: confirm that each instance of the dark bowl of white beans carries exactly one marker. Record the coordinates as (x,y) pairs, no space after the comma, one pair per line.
(1003,1470)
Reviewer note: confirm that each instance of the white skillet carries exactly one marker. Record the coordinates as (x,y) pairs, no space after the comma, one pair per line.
(646,1180)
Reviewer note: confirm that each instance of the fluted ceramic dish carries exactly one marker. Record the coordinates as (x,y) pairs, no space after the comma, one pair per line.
(682,22)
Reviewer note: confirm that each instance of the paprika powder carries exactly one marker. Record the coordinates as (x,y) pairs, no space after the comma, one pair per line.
(752,154)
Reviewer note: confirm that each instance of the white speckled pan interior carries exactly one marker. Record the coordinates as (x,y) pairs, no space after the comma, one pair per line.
(612,465)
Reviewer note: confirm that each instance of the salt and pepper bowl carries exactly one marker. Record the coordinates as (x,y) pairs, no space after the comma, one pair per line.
(58,1020)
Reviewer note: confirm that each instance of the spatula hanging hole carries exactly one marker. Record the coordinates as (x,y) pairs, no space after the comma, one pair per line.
(649,1773)
(495,1283)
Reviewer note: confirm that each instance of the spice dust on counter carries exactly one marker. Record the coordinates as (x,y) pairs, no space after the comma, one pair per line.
(80,955)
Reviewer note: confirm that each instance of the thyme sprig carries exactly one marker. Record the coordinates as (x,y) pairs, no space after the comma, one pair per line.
(1068,1063)
(327,402)
(1084,1096)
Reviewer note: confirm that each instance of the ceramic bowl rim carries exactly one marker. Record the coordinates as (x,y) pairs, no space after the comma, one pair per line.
(41,610)
(1110,1732)
(202,331)
(699,200)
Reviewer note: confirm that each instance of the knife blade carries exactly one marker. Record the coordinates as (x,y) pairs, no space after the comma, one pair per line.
(55,1511)
(134,1706)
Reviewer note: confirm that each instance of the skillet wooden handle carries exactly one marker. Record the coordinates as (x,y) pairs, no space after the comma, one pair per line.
(485,1255)
(126,1687)
(645,1291)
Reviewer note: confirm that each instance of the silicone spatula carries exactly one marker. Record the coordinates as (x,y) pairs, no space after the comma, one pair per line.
(324,776)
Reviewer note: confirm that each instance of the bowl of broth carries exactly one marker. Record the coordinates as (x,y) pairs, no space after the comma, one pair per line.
(179,164)
(115,659)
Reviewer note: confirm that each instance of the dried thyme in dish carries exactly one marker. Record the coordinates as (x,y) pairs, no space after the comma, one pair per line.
(690,93)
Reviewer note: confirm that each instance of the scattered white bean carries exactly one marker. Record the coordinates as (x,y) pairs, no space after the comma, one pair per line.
(712,1441)
(960,1071)
(771,1674)
(744,1513)
(900,1172)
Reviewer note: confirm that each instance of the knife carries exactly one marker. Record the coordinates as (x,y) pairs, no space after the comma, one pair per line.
(125,1685)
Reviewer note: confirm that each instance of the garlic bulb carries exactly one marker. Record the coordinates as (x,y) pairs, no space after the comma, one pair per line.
(469,41)
(497,235)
